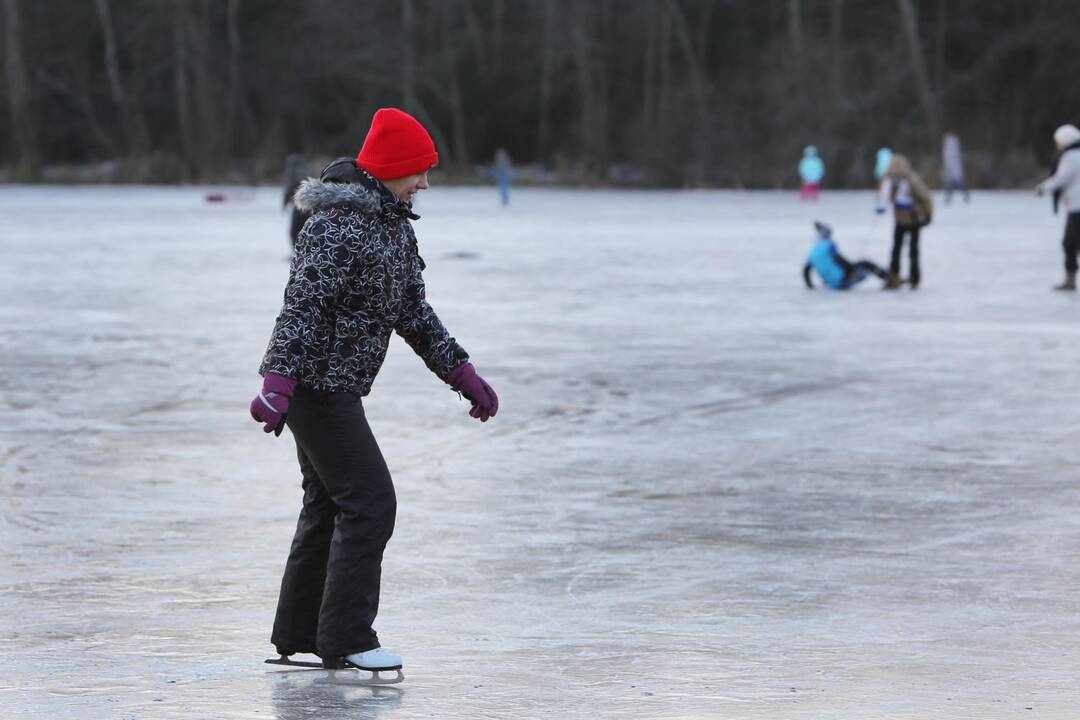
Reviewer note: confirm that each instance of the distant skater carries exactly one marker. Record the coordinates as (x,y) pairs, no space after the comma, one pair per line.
(296,171)
(836,271)
(503,170)
(905,191)
(1064,183)
(811,172)
(355,278)
(952,168)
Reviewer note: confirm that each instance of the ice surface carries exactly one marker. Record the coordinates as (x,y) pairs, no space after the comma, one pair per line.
(709,493)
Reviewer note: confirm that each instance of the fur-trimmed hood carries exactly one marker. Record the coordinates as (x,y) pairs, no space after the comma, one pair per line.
(343,183)
(314,195)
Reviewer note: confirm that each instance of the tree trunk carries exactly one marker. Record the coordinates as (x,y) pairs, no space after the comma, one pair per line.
(836,52)
(592,140)
(939,59)
(22,124)
(547,62)
(205,101)
(455,96)
(648,67)
(239,124)
(131,122)
(410,95)
(910,25)
(699,91)
(795,28)
(408,56)
(181,84)
(662,115)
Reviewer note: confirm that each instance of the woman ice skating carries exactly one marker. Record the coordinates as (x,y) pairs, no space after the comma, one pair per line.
(1064,183)
(836,271)
(811,171)
(354,279)
(904,189)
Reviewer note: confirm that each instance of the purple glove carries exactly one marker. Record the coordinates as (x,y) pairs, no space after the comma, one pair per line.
(272,404)
(485,403)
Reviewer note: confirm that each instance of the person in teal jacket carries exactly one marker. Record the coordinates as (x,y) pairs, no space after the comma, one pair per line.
(811,171)
(836,271)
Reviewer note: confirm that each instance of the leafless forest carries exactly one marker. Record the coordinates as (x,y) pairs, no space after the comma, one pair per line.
(678,93)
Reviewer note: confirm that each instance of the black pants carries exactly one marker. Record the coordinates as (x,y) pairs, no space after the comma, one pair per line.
(913,251)
(1071,243)
(864,266)
(330,590)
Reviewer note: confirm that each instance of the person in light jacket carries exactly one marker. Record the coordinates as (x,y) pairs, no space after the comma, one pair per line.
(952,168)
(1064,183)
(811,172)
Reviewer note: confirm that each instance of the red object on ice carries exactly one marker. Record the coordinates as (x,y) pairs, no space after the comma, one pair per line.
(215,197)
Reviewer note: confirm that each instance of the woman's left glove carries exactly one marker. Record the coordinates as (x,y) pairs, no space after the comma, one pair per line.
(271,405)
(485,403)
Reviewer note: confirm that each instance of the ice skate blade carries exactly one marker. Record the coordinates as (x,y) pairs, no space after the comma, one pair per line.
(349,677)
(284,660)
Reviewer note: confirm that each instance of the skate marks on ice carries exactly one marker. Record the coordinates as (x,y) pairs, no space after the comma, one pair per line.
(748,401)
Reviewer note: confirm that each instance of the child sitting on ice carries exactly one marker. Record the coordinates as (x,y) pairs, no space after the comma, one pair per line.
(835,270)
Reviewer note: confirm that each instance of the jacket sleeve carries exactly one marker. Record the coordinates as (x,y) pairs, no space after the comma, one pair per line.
(316,279)
(1067,172)
(885,193)
(421,328)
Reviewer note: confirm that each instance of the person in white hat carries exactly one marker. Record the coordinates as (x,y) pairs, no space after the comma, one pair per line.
(1064,183)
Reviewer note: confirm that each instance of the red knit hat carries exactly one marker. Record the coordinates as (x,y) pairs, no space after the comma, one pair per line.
(396,145)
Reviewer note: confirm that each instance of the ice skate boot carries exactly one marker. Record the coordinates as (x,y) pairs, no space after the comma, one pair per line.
(375,661)
(1070,283)
(892,281)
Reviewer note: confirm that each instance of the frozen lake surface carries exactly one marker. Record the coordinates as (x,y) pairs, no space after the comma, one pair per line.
(709,493)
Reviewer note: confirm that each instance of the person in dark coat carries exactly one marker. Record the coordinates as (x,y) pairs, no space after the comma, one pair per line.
(355,278)
(296,171)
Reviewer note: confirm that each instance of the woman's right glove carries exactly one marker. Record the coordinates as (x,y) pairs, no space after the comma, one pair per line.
(271,405)
(485,403)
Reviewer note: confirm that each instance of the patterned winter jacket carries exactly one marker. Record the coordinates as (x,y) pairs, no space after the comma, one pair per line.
(355,278)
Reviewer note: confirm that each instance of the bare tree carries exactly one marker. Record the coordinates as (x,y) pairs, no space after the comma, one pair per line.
(22,124)
(239,121)
(181,83)
(909,23)
(699,90)
(547,64)
(409,87)
(132,124)
(795,28)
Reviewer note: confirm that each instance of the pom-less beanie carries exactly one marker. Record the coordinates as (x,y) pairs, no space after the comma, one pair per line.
(396,145)
(1066,135)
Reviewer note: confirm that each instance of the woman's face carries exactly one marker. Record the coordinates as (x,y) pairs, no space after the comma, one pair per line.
(404,188)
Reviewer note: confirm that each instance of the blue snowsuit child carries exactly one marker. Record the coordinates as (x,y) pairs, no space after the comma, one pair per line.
(836,271)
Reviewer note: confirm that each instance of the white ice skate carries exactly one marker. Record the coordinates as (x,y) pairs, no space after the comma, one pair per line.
(373,661)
